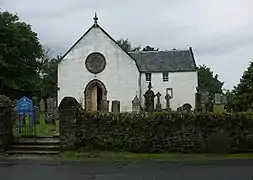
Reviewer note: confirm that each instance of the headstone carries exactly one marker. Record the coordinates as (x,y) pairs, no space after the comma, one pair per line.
(205,98)
(36,114)
(168,98)
(224,99)
(136,105)
(149,99)
(158,103)
(42,105)
(105,106)
(115,106)
(35,101)
(198,106)
(217,98)
(50,106)
(186,107)
(55,108)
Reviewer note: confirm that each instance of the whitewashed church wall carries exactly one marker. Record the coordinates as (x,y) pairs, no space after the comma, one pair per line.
(120,75)
(183,84)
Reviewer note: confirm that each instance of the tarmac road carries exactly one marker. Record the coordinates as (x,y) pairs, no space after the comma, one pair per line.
(55,170)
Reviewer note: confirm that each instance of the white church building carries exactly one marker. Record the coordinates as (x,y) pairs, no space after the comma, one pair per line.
(95,68)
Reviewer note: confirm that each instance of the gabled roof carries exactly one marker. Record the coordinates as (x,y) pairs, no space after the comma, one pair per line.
(153,61)
(95,25)
(165,61)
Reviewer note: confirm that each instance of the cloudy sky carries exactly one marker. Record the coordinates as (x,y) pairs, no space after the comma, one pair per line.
(220,31)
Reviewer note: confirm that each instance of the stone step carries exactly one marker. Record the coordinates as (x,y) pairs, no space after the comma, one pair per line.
(34,147)
(40,141)
(31,152)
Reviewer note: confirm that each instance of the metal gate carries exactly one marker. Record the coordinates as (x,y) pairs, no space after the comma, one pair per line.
(24,125)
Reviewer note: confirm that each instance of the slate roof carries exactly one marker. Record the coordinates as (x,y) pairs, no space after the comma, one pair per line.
(155,61)
(165,61)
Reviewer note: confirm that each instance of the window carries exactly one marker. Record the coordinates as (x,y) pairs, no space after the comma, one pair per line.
(169,91)
(148,76)
(165,76)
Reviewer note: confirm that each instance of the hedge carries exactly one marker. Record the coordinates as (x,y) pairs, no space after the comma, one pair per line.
(165,132)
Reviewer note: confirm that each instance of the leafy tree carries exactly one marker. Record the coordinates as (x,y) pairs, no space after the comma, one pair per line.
(48,72)
(207,81)
(126,45)
(148,48)
(241,98)
(20,50)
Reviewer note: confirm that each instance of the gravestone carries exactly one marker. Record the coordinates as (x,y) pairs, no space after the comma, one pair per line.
(217,98)
(198,106)
(224,99)
(35,101)
(205,97)
(149,99)
(168,98)
(105,105)
(36,114)
(136,105)
(50,106)
(55,108)
(205,101)
(42,105)
(115,106)
(187,107)
(158,103)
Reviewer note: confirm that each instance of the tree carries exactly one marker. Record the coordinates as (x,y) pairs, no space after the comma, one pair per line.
(48,72)
(207,81)
(126,45)
(241,98)
(20,50)
(148,48)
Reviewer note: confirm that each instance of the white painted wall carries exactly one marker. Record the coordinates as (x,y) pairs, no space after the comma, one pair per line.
(183,83)
(120,75)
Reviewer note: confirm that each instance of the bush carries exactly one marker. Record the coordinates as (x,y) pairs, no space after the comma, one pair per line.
(165,132)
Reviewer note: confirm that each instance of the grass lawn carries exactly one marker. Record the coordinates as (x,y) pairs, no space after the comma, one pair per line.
(46,130)
(42,129)
(219,109)
(127,156)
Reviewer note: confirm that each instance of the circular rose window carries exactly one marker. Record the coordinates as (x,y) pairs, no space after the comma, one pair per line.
(95,63)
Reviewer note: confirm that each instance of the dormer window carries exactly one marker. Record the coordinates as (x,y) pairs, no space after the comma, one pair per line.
(165,77)
(148,77)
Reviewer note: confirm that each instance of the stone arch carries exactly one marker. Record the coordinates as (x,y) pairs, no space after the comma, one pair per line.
(88,89)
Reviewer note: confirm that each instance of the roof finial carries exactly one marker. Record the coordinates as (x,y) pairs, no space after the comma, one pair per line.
(95,19)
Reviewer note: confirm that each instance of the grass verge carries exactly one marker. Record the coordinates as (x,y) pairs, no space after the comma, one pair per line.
(126,156)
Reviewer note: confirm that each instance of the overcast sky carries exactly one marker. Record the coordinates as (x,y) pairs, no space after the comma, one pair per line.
(219,31)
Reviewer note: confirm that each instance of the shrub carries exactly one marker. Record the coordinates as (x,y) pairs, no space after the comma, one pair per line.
(165,132)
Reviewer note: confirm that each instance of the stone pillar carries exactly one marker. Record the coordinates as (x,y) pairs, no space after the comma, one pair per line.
(6,117)
(67,117)
(115,106)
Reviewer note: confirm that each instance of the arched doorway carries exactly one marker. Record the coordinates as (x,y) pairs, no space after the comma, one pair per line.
(95,92)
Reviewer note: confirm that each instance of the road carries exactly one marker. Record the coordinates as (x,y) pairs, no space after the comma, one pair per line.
(54,170)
